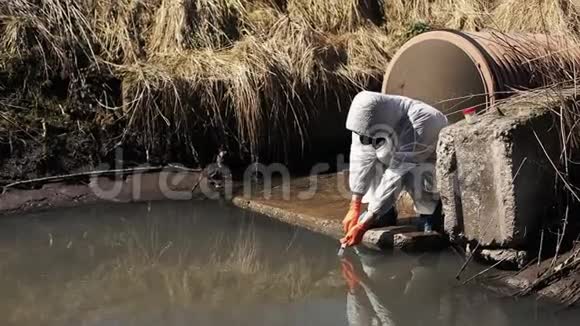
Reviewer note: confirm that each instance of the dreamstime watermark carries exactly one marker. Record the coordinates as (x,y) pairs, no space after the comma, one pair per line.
(258,181)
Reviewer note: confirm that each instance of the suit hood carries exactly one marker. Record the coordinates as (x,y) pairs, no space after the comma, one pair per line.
(372,113)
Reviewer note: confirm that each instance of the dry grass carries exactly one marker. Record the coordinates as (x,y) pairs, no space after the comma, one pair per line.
(121,27)
(261,86)
(181,24)
(554,17)
(251,73)
(458,14)
(244,68)
(367,52)
(50,32)
(336,16)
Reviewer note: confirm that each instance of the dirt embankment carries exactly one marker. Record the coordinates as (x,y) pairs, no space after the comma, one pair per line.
(80,79)
(165,185)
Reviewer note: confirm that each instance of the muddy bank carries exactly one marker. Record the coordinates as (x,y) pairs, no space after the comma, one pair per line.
(165,185)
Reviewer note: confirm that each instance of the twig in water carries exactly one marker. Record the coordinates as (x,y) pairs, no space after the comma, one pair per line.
(92,173)
(472,253)
(198,181)
(541,247)
(464,266)
(483,272)
(561,236)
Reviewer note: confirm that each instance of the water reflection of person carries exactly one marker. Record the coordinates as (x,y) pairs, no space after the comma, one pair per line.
(381,292)
(364,305)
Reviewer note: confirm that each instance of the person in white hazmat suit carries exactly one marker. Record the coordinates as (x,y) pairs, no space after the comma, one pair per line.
(394,139)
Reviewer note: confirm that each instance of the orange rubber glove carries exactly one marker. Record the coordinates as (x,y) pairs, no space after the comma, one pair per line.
(349,275)
(354,235)
(351,218)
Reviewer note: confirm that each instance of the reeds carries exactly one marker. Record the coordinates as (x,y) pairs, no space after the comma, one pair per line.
(336,16)
(554,17)
(249,74)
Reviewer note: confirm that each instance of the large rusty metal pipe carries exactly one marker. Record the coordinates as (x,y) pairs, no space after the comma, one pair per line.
(453,70)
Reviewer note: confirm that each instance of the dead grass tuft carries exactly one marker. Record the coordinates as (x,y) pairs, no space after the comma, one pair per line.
(336,16)
(553,17)
(250,74)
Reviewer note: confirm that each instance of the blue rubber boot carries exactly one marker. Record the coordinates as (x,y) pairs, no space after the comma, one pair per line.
(431,222)
(426,223)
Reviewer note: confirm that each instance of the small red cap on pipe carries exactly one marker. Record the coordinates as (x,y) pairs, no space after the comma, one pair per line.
(470,110)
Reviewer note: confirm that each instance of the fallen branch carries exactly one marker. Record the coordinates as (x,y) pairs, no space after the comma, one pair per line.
(570,264)
(559,174)
(97,173)
(482,272)
(466,262)
(473,252)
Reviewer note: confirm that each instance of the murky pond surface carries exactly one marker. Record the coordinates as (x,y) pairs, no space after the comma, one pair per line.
(202,263)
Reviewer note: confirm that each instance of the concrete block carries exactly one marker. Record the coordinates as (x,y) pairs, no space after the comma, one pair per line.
(419,241)
(404,237)
(495,180)
(383,238)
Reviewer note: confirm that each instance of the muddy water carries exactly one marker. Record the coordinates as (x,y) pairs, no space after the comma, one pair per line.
(202,263)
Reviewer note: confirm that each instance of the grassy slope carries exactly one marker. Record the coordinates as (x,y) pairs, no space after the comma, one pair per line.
(171,79)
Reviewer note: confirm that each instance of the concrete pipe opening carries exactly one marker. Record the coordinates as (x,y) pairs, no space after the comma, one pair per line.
(443,69)
(454,70)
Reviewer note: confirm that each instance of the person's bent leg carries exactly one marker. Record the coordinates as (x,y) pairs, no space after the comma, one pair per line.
(420,184)
(432,222)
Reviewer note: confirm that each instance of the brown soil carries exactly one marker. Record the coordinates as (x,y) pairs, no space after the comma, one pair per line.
(179,186)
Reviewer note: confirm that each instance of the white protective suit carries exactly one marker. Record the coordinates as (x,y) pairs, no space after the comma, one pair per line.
(405,161)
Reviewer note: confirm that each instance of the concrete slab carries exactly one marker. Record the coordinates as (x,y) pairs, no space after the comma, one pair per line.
(319,203)
(495,180)
(328,226)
